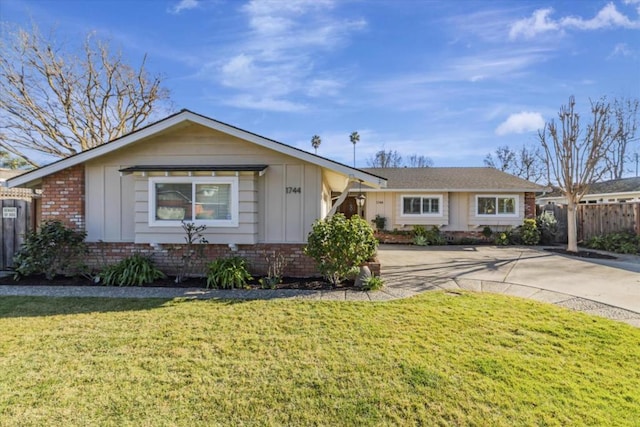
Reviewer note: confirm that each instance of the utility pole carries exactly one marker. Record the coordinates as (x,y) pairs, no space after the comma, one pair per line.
(636,165)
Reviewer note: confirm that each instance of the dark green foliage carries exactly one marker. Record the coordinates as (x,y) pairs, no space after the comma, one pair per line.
(626,242)
(337,244)
(136,270)
(228,273)
(486,231)
(373,283)
(503,238)
(424,237)
(380,222)
(529,233)
(52,250)
(548,226)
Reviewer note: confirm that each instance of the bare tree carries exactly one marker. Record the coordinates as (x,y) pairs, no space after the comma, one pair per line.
(354,138)
(530,164)
(525,163)
(417,161)
(315,142)
(505,158)
(60,103)
(625,114)
(385,159)
(576,156)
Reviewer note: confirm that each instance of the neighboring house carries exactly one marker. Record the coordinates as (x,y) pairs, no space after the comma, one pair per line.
(13,193)
(459,200)
(255,195)
(613,191)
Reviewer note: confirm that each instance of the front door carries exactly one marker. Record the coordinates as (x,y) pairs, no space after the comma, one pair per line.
(349,207)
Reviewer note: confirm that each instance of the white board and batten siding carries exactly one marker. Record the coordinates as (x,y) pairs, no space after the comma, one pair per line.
(389,205)
(497,222)
(278,207)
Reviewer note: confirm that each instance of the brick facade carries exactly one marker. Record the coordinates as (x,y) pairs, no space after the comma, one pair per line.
(63,197)
(168,257)
(529,205)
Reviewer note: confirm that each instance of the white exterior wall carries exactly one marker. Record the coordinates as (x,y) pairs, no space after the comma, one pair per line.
(389,205)
(497,222)
(117,207)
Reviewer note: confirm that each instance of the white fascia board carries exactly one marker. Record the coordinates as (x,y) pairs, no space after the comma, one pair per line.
(206,122)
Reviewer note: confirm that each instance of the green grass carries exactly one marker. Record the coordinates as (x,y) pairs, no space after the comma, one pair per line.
(438,359)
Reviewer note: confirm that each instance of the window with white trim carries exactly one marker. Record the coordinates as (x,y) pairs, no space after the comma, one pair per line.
(506,205)
(202,200)
(421,205)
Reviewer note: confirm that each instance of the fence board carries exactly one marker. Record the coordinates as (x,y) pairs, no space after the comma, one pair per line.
(598,219)
(13,230)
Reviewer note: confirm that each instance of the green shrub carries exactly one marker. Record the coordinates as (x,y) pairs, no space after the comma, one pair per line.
(529,233)
(503,238)
(136,270)
(337,244)
(548,226)
(380,222)
(626,242)
(228,273)
(487,232)
(51,250)
(373,283)
(424,237)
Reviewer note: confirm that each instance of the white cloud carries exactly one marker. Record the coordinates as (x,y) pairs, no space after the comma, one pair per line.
(541,22)
(621,49)
(184,5)
(522,122)
(278,58)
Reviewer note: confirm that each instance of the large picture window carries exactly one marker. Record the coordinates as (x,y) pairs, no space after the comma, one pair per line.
(421,205)
(212,201)
(497,205)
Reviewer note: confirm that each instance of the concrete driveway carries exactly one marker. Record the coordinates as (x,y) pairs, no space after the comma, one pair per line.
(523,271)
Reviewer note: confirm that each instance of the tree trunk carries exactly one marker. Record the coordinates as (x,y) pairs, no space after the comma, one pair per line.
(572,229)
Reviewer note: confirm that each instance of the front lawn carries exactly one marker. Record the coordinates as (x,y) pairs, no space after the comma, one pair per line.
(438,359)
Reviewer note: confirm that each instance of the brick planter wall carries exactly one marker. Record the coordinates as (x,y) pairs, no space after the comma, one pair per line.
(63,197)
(168,257)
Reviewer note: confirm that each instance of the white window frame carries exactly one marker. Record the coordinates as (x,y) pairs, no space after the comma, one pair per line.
(233,181)
(421,197)
(515,197)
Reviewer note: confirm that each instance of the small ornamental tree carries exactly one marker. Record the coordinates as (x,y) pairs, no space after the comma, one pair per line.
(337,244)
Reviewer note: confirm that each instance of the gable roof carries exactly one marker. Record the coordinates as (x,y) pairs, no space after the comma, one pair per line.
(456,179)
(189,116)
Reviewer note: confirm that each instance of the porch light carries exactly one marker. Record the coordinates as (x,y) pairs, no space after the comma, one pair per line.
(360,198)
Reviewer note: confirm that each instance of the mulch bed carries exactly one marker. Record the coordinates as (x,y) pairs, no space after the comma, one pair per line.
(580,254)
(287,283)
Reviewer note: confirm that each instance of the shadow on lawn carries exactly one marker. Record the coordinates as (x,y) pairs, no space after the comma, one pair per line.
(39,306)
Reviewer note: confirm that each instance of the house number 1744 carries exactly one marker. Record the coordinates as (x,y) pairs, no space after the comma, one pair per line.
(293,190)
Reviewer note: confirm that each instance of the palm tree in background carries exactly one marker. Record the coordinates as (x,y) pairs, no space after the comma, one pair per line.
(315,142)
(354,137)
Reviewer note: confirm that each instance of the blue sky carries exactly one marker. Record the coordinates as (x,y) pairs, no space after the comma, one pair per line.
(451,80)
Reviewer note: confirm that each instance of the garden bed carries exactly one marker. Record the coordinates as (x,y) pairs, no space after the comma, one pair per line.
(580,253)
(311,283)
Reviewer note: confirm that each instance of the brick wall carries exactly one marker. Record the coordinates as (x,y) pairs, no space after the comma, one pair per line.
(63,197)
(529,205)
(168,257)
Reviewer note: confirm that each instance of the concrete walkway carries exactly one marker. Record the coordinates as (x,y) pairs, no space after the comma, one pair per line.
(606,288)
(609,288)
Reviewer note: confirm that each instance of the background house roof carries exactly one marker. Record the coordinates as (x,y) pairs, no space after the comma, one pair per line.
(621,185)
(453,179)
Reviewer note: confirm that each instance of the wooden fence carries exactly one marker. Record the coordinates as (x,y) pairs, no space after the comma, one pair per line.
(16,221)
(597,219)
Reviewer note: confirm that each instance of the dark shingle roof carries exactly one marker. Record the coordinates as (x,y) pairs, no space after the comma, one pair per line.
(453,179)
(622,185)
